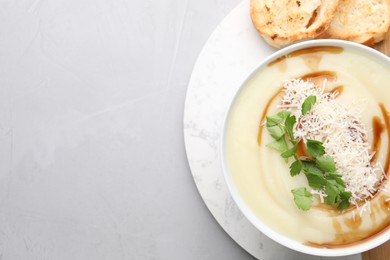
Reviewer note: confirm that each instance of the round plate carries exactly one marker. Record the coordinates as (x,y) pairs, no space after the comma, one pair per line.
(230,54)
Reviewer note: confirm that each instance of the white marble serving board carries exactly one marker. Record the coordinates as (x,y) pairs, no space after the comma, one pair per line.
(230,54)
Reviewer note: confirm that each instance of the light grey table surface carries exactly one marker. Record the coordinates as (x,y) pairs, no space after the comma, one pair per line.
(92,158)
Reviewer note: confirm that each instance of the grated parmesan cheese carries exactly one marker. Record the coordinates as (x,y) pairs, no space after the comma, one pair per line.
(342,133)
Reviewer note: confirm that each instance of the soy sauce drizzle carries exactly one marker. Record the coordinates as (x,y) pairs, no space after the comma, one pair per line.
(386,117)
(265,112)
(377,128)
(316,49)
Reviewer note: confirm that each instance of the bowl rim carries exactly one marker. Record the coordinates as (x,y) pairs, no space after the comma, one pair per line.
(245,209)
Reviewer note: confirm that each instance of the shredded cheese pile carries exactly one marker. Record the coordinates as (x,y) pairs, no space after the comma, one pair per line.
(342,133)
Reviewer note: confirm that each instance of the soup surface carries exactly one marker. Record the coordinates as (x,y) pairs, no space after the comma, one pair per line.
(262,177)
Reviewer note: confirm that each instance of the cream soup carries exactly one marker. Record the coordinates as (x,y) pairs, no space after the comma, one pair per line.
(262,177)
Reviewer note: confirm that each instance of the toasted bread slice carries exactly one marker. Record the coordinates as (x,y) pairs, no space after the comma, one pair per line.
(362,21)
(282,22)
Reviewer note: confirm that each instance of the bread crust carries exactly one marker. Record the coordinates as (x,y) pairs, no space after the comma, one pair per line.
(361,21)
(282,22)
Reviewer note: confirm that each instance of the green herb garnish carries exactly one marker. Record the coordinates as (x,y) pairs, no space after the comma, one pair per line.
(308,103)
(290,122)
(344,203)
(290,152)
(279,145)
(302,198)
(314,175)
(325,163)
(319,169)
(314,148)
(296,167)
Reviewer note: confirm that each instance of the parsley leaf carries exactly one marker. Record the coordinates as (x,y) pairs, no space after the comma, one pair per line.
(273,121)
(331,193)
(343,205)
(333,190)
(315,181)
(326,163)
(276,131)
(302,198)
(314,148)
(314,175)
(296,167)
(277,119)
(344,200)
(308,103)
(274,124)
(320,170)
(290,152)
(279,145)
(335,176)
(283,114)
(290,122)
(311,168)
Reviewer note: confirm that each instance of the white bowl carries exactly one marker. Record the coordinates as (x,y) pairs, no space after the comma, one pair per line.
(245,208)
